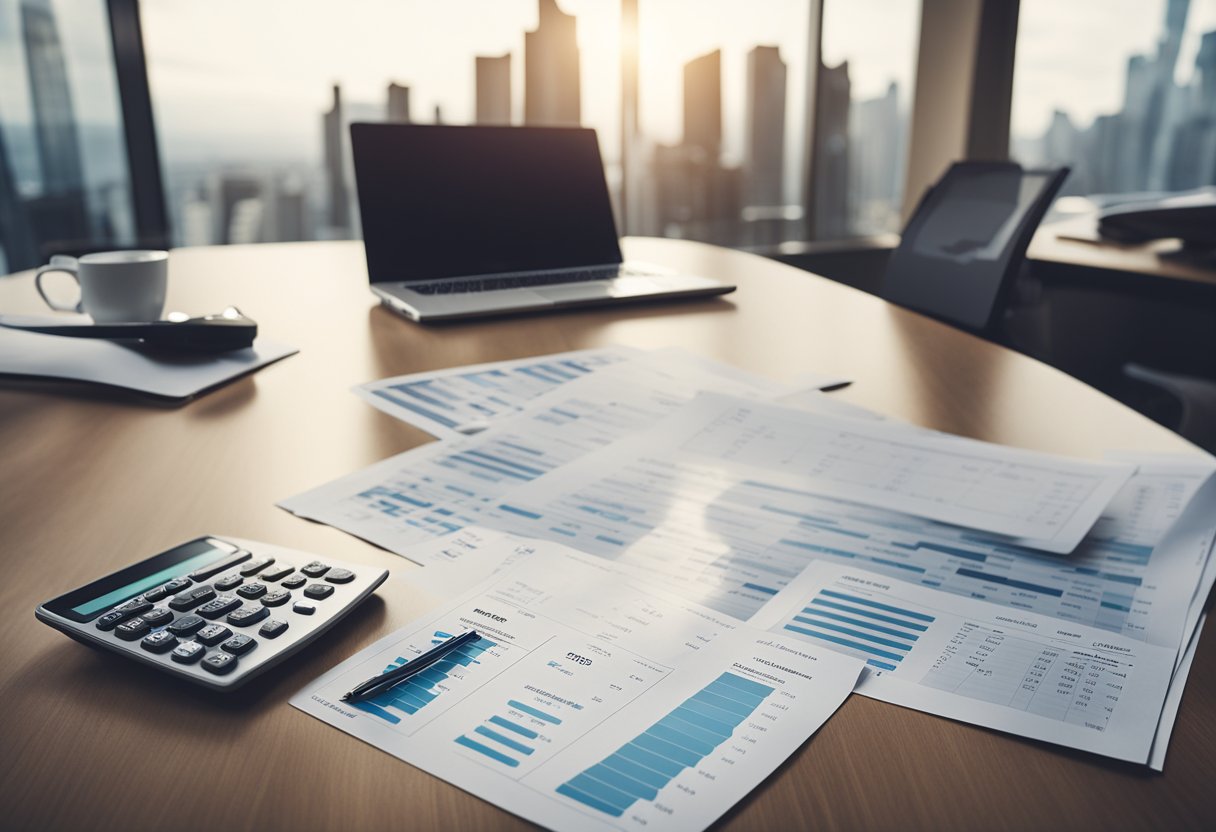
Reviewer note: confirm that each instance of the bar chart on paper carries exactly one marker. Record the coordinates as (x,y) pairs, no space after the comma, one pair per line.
(881,634)
(642,767)
(418,691)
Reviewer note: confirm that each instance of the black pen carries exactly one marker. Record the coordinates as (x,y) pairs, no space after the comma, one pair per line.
(387,681)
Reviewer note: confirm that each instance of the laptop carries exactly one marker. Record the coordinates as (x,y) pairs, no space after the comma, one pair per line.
(461,222)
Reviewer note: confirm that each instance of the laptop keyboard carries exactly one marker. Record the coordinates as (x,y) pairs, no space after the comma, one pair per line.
(515,281)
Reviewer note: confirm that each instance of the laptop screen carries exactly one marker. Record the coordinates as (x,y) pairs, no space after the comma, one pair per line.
(439,201)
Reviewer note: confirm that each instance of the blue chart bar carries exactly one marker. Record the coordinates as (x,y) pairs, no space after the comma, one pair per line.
(856,626)
(507,735)
(416,692)
(639,769)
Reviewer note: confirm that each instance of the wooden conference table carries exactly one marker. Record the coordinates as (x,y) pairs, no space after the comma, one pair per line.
(91,482)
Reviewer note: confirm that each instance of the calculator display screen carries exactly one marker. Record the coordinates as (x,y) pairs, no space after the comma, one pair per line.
(87,602)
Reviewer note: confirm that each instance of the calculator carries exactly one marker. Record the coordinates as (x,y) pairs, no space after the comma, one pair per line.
(214,611)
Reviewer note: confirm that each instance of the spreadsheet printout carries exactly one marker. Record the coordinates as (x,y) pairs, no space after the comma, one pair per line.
(439,488)
(976,662)
(1047,502)
(591,702)
(461,400)
(732,544)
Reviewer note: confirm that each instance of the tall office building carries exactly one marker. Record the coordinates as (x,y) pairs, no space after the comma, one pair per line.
(764,155)
(19,251)
(703,104)
(551,69)
(828,194)
(493,89)
(337,213)
(54,117)
(397,108)
(875,163)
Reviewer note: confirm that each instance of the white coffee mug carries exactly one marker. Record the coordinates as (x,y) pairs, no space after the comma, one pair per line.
(115,286)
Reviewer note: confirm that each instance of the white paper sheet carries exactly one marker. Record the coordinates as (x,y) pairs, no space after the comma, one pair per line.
(976,662)
(440,488)
(174,376)
(1173,699)
(463,400)
(591,702)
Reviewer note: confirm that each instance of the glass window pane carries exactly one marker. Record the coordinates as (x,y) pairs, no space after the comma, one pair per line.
(1134,109)
(722,120)
(64,184)
(252,118)
(865,96)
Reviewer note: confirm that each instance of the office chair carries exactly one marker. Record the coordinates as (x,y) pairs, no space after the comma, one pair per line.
(961,251)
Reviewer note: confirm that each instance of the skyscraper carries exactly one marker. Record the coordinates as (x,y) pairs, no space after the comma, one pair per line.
(875,169)
(551,69)
(494,89)
(764,155)
(397,108)
(54,118)
(703,104)
(828,196)
(337,212)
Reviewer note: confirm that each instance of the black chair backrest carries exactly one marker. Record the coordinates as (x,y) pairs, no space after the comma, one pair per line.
(962,249)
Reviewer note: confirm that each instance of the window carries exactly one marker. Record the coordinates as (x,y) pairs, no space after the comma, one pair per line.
(1134,109)
(867,70)
(64,184)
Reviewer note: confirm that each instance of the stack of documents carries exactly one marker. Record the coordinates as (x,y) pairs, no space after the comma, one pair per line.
(1053,598)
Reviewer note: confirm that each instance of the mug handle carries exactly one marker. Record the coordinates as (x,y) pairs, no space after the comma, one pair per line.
(59,263)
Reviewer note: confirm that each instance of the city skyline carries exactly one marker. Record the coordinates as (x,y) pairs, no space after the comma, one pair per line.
(730,171)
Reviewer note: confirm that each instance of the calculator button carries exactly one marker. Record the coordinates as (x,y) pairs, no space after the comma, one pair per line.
(295,581)
(219,566)
(158,617)
(219,663)
(315,569)
(229,582)
(304,609)
(165,590)
(247,616)
(223,604)
(239,644)
(272,628)
(134,607)
(133,629)
(276,598)
(340,576)
(256,566)
(111,620)
(188,653)
(190,600)
(318,592)
(277,572)
(161,641)
(253,590)
(186,626)
(212,634)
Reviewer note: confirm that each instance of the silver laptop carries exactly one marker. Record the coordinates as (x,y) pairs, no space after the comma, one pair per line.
(466,221)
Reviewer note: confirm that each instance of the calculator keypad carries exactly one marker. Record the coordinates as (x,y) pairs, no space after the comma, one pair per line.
(230,618)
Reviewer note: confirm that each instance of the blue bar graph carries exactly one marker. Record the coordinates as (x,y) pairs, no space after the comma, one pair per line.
(852,624)
(506,734)
(416,692)
(642,767)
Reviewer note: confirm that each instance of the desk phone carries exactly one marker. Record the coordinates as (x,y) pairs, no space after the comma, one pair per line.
(214,611)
